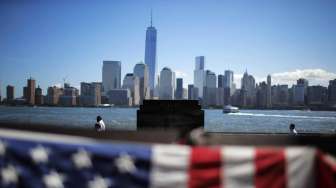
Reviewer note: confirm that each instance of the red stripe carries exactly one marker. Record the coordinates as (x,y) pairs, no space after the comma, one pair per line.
(205,167)
(270,167)
(326,176)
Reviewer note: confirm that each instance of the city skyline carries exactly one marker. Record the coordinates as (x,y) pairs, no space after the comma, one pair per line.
(24,53)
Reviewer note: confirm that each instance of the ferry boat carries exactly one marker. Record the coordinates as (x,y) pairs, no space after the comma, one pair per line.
(230,109)
(106,105)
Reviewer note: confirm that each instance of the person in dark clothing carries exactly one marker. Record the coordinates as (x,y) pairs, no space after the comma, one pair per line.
(292,129)
(99,125)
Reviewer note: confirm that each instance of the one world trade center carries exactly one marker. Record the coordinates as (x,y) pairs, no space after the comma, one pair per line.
(150,54)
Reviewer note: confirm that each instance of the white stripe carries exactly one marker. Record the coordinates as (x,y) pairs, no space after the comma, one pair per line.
(329,159)
(238,169)
(300,167)
(170,164)
(44,137)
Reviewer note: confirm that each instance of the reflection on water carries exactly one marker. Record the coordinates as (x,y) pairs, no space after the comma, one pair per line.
(281,116)
(264,121)
(271,121)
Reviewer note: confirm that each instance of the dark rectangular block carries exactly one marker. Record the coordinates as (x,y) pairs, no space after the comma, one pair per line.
(170,114)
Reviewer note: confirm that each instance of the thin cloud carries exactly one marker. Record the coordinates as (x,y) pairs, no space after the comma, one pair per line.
(180,74)
(314,76)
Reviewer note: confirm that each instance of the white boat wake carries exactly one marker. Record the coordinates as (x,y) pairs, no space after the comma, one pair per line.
(280,116)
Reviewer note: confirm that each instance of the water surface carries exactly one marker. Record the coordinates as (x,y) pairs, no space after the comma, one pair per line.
(261,121)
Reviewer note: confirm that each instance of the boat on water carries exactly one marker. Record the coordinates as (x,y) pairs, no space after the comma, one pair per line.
(106,105)
(230,109)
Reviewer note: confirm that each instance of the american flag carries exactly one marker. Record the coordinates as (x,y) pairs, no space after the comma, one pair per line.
(54,161)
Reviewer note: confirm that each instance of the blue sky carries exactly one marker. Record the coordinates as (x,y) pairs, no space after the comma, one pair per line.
(52,40)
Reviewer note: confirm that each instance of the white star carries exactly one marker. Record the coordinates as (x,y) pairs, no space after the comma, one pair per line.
(39,154)
(2,148)
(99,182)
(53,180)
(125,163)
(9,175)
(82,159)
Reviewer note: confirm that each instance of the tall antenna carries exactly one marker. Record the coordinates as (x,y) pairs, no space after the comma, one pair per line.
(151,18)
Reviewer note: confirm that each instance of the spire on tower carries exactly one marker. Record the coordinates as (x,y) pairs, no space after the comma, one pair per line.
(151,18)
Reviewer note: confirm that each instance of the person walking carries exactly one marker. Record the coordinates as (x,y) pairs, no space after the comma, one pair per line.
(100,125)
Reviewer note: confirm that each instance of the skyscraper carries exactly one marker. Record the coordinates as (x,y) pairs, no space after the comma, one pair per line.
(131,82)
(332,92)
(25,93)
(210,79)
(248,90)
(150,54)
(141,71)
(228,80)
(30,91)
(199,75)
(38,96)
(111,75)
(300,92)
(261,95)
(281,95)
(269,92)
(10,93)
(179,88)
(317,95)
(167,84)
(209,96)
(220,81)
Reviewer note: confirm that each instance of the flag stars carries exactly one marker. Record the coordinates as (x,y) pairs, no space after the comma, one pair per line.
(81,159)
(39,154)
(9,175)
(99,182)
(125,163)
(53,180)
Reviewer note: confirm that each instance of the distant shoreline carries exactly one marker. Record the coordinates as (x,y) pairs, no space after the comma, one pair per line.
(303,108)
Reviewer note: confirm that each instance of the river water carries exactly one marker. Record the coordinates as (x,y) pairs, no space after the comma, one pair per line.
(260,121)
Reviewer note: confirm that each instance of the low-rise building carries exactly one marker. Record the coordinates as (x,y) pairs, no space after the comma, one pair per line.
(38,96)
(120,97)
(192,92)
(53,95)
(90,94)
(69,97)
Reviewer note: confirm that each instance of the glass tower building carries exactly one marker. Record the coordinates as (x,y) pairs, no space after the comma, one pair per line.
(150,55)
(199,75)
(111,75)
